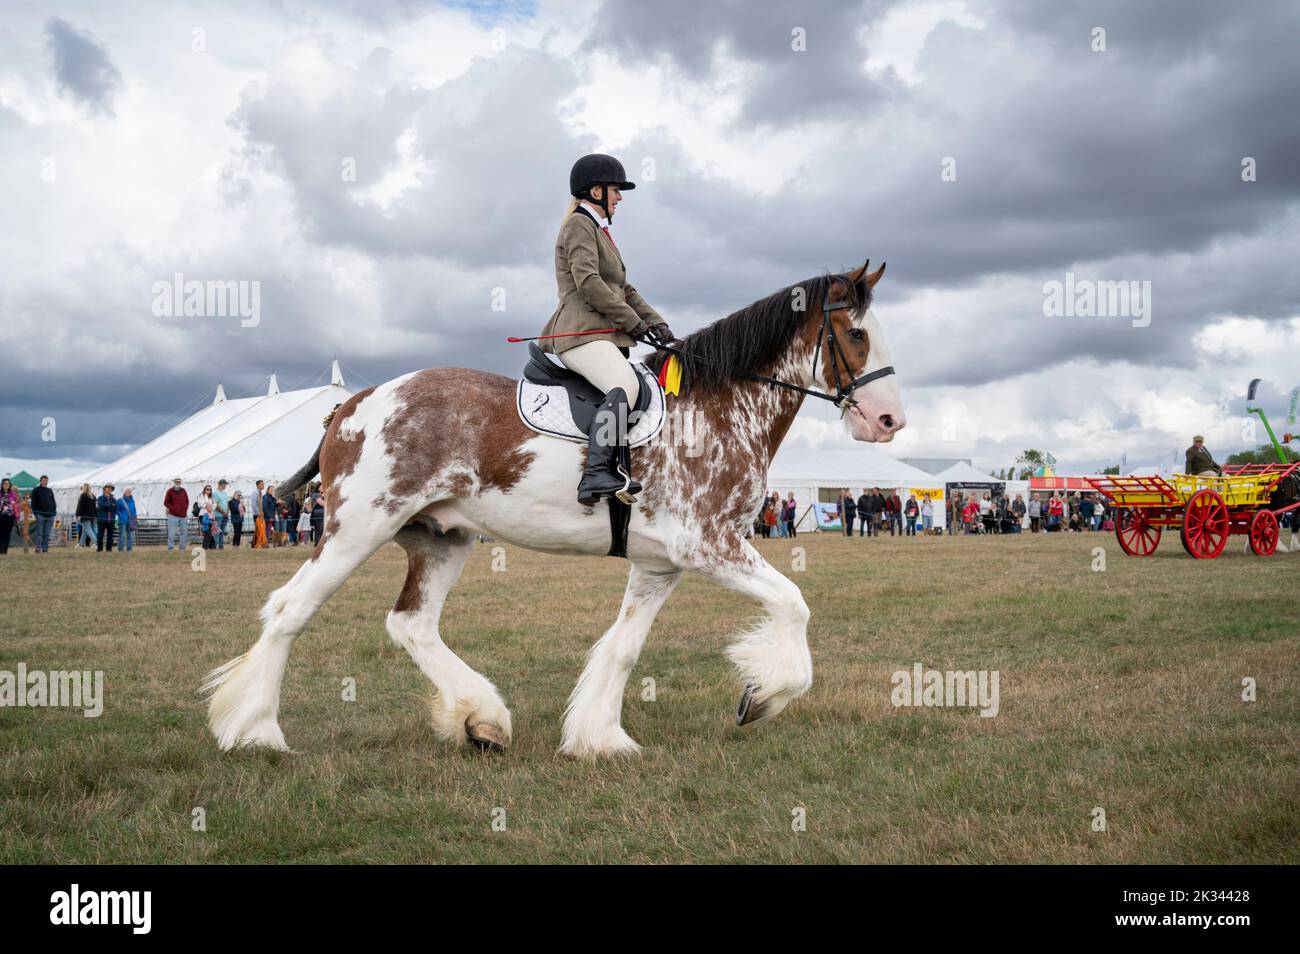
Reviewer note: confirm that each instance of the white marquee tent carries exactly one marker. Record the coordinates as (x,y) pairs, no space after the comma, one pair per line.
(808,472)
(963,473)
(242,440)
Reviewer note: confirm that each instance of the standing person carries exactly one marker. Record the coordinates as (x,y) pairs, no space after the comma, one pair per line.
(954,514)
(270,510)
(778,506)
(221,500)
(894,507)
(237,517)
(927,514)
(911,510)
(791,513)
(1035,513)
(85,518)
(208,525)
(769,519)
(1055,509)
(44,512)
(259,521)
(292,511)
(304,521)
(1018,508)
(848,510)
(865,501)
(177,504)
(26,521)
(10,511)
(105,518)
(986,513)
(1086,510)
(317,500)
(126,521)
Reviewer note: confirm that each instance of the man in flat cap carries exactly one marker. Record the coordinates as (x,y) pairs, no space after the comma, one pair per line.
(1199,461)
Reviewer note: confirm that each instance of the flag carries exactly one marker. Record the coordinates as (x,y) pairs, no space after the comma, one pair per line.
(670,375)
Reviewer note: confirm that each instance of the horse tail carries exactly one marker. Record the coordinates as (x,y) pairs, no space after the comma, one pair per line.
(305,473)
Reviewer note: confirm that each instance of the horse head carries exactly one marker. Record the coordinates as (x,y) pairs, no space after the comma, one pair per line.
(855,348)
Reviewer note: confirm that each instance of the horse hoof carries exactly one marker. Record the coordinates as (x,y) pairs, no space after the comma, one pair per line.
(486,737)
(747,711)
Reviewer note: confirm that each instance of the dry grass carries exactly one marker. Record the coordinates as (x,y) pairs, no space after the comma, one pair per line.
(1119,689)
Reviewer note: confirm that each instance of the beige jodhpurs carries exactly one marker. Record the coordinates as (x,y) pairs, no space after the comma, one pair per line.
(601,363)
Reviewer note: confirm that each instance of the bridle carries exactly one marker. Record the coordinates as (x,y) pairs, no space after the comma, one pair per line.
(843,396)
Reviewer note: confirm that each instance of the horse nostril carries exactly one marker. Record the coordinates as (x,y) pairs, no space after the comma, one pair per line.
(887,421)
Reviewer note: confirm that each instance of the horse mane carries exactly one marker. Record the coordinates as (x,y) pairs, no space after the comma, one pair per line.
(750,339)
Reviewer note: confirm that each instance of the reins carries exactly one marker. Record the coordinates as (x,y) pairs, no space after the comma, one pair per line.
(843,395)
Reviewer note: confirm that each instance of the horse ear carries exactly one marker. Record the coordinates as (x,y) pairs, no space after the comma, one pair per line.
(858,274)
(875,276)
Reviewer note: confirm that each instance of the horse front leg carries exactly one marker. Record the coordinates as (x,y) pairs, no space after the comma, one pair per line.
(771,656)
(593,719)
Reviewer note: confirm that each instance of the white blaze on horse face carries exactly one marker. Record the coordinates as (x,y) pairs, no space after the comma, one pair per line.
(879,412)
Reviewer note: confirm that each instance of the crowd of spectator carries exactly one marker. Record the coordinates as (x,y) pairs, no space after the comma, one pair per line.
(107,522)
(777,517)
(875,510)
(1045,513)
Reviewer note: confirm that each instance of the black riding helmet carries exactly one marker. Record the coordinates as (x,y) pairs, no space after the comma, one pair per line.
(597,169)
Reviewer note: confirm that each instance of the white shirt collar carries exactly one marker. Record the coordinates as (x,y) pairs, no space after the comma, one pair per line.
(601,221)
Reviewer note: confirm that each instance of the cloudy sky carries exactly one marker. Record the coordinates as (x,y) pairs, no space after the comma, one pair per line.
(380,169)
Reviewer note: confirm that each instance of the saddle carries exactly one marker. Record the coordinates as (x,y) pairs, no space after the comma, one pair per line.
(561,403)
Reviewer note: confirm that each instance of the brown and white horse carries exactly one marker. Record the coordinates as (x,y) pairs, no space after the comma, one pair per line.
(435,456)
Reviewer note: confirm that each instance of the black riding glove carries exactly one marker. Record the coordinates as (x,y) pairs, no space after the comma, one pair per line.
(661,332)
(641,332)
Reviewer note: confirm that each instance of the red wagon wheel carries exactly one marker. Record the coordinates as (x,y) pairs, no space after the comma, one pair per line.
(1135,534)
(1205,525)
(1263,533)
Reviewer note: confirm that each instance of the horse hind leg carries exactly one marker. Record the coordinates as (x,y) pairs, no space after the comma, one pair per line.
(465,706)
(244,703)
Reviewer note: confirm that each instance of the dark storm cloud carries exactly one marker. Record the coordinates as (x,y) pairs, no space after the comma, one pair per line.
(498,157)
(824,78)
(82,66)
(1123,165)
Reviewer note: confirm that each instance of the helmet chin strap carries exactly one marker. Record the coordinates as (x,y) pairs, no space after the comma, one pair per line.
(604,202)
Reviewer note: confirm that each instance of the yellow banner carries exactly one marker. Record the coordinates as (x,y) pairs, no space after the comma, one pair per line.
(936,494)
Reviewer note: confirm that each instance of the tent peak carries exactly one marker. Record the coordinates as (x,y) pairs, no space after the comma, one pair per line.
(274,388)
(221,394)
(336,374)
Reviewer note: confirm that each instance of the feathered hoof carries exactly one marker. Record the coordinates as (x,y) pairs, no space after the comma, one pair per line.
(749,710)
(486,737)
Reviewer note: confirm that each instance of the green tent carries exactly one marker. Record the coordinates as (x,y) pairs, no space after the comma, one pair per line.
(24,482)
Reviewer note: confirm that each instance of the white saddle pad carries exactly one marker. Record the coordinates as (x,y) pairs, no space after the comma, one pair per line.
(545,408)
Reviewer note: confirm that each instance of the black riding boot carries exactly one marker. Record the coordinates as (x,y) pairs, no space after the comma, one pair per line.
(606,475)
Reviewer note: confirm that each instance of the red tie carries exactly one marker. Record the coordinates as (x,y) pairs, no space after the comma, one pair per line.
(605,229)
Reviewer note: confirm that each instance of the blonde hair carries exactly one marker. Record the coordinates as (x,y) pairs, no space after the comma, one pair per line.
(573,204)
(85,488)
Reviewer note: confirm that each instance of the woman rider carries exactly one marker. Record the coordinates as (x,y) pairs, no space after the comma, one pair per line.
(596,296)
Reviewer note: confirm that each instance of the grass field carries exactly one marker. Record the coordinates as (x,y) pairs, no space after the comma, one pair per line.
(1119,689)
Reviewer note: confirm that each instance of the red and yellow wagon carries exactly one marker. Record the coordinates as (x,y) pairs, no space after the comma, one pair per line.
(1247,499)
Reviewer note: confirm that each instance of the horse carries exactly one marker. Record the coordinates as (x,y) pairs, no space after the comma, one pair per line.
(436,457)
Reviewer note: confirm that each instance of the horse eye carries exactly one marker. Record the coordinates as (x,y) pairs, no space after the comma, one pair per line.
(855,333)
